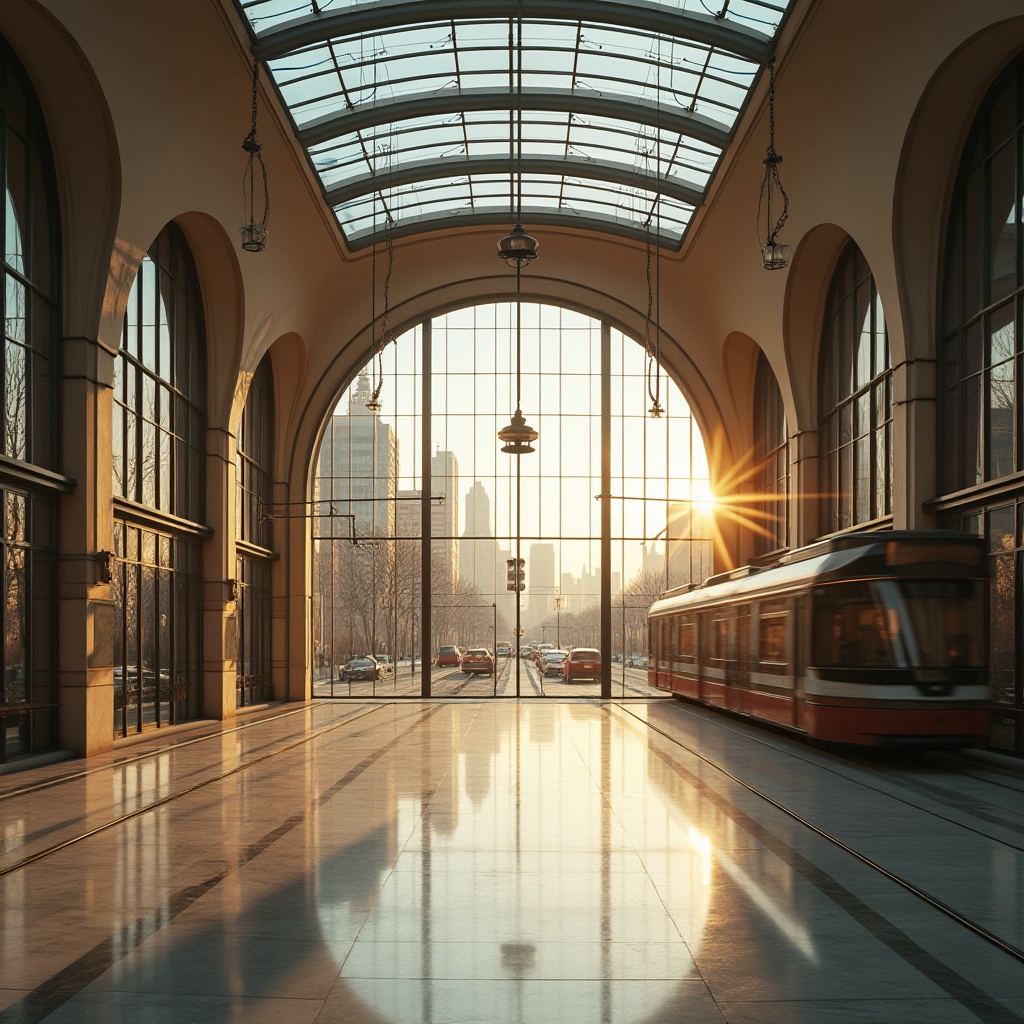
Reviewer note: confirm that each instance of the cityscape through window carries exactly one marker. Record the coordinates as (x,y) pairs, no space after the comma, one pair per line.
(581,380)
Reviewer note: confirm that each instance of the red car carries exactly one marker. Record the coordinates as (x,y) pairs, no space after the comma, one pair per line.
(448,656)
(582,663)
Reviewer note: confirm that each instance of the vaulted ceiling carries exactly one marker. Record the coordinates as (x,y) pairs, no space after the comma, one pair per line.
(611,115)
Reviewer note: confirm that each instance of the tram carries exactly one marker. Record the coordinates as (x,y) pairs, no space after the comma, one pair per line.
(865,638)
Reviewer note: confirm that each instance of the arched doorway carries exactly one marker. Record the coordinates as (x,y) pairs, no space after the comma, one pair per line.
(611,510)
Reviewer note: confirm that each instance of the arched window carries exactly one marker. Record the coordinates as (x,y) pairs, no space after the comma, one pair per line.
(253,544)
(855,399)
(29,446)
(980,396)
(159,436)
(771,451)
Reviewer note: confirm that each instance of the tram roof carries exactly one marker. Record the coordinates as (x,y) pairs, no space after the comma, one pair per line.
(834,557)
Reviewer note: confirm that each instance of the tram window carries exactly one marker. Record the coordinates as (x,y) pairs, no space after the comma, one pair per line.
(943,620)
(723,639)
(771,646)
(687,640)
(850,628)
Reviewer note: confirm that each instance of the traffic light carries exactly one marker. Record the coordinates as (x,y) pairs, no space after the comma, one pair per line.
(515,574)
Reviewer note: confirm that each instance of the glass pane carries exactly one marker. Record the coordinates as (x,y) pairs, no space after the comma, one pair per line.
(1003,223)
(972,433)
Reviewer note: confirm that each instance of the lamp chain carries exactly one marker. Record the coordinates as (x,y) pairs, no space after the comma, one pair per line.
(772,180)
(254,235)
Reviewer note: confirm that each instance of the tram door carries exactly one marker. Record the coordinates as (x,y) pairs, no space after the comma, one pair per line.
(737,671)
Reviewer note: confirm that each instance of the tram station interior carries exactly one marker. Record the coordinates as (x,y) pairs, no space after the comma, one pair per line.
(341,330)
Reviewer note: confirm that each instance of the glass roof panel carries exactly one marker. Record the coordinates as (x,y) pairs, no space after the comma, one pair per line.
(408,112)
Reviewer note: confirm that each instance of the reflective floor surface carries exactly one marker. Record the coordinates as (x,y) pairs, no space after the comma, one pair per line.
(480,863)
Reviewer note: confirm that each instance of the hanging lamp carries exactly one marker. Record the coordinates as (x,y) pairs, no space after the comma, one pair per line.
(517,249)
(253,231)
(373,403)
(654,290)
(774,254)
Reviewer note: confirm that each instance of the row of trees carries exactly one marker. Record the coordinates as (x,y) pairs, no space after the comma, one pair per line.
(367,601)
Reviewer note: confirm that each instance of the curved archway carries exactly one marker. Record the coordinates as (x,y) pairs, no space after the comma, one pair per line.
(430,466)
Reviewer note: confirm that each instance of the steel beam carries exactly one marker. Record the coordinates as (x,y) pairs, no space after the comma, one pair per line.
(657,19)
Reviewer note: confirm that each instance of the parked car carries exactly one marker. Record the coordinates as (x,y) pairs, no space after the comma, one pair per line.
(448,656)
(477,659)
(582,663)
(361,670)
(551,664)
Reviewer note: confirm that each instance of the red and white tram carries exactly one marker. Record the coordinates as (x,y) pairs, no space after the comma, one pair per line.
(871,638)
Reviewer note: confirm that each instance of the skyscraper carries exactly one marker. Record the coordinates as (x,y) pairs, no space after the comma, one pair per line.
(358,470)
(444,517)
(478,550)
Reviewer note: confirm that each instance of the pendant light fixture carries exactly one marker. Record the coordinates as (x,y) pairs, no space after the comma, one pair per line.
(253,231)
(373,403)
(517,249)
(774,255)
(654,288)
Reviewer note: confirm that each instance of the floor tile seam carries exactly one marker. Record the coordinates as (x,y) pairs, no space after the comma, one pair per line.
(151,797)
(424,805)
(59,987)
(170,747)
(857,776)
(875,924)
(157,803)
(671,745)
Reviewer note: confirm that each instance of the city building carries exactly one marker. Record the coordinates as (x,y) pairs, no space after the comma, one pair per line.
(358,471)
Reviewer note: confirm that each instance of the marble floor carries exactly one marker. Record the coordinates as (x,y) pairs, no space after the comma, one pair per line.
(483,862)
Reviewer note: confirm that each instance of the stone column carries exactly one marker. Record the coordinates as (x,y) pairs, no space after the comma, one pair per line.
(805,503)
(220,622)
(85,606)
(914,454)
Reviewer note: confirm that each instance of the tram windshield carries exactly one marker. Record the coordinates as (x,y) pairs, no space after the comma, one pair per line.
(900,623)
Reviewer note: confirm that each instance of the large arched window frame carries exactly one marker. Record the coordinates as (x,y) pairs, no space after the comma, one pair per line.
(254,464)
(388,477)
(980,393)
(30,442)
(159,437)
(771,452)
(855,396)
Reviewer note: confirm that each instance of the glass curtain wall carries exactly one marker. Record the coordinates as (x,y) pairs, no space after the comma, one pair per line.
(485,509)
(980,400)
(254,540)
(159,443)
(29,446)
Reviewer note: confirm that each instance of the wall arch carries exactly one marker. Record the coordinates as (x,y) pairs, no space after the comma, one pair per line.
(711,415)
(87,164)
(927,173)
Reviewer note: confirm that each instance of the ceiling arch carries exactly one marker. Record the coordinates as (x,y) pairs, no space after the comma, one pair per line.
(615,113)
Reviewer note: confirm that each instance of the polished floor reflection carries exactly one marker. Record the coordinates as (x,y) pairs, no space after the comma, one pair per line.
(456,862)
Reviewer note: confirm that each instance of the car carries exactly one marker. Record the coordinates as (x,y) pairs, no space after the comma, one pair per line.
(582,663)
(448,656)
(551,663)
(477,659)
(504,649)
(361,669)
(386,664)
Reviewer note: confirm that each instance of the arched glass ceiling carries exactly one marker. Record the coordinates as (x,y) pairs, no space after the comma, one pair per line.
(408,108)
